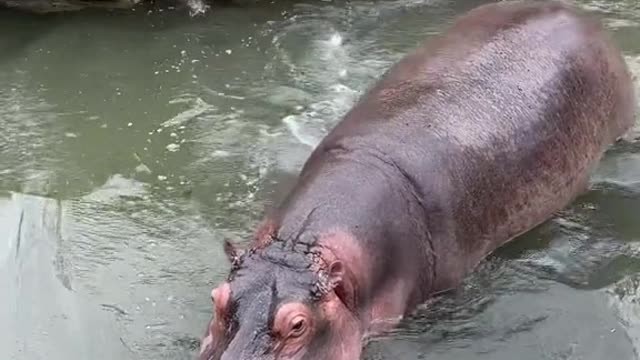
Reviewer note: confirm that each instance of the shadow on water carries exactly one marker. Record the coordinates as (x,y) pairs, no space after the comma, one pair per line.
(24,29)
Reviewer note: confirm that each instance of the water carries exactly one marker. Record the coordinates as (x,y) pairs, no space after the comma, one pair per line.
(133,144)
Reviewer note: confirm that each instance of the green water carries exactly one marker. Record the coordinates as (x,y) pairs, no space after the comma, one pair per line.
(133,144)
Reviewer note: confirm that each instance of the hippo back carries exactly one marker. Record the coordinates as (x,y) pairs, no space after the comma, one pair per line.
(497,123)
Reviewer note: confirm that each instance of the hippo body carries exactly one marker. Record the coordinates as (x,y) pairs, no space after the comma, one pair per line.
(476,137)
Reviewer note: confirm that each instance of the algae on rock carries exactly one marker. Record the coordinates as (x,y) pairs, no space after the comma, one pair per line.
(46,6)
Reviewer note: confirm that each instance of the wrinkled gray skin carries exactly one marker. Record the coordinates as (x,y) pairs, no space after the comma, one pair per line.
(473,139)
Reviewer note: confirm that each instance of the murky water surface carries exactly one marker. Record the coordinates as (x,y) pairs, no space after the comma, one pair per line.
(133,144)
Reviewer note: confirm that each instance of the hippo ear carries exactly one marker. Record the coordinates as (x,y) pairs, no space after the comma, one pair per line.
(342,284)
(233,253)
(336,273)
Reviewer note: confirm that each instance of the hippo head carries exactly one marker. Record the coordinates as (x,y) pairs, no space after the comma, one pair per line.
(283,303)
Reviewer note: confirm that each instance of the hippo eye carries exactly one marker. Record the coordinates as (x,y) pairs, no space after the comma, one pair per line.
(291,323)
(298,326)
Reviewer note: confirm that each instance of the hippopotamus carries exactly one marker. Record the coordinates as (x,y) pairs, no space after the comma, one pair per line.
(477,136)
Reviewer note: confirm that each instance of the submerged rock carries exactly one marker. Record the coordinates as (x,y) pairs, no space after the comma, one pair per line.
(43,6)
(48,6)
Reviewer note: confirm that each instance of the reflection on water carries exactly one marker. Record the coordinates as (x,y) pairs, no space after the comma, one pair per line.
(41,314)
(145,140)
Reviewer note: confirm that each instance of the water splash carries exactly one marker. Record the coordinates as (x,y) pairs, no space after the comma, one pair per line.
(197,7)
(624,297)
(634,66)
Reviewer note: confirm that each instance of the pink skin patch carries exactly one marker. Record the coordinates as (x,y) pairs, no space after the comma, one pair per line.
(220,297)
(348,335)
(387,309)
(342,257)
(207,341)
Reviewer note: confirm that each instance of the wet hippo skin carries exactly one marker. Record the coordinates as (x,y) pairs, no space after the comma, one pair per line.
(476,137)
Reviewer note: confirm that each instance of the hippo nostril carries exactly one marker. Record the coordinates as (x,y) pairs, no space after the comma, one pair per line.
(213,295)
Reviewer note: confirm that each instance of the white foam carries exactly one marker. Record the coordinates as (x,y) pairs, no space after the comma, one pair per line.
(624,297)
(173,147)
(327,78)
(298,131)
(335,40)
(197,7)
(619,23)
(634,66)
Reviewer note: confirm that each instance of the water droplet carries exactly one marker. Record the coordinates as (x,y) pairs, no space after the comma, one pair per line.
(173,147)
(336,40)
